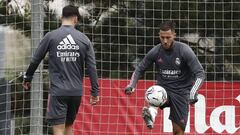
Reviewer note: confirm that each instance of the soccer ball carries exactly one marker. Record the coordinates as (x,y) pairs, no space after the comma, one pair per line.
(156,95)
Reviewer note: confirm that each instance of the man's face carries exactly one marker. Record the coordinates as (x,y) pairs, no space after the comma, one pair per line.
(167,38)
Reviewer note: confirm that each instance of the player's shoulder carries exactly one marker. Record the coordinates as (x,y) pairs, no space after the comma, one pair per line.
(185,50)
(156,48)
(83,37)
(81,34)
(52,33)
(182,46)
(55,30)
(154,51)
(47,36)
(158,45)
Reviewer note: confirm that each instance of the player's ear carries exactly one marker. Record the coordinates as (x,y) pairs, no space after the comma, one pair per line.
(159,34)
(75,19)
(174,34)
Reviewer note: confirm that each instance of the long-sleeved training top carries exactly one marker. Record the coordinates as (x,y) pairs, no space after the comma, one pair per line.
(176,69)
(69,50)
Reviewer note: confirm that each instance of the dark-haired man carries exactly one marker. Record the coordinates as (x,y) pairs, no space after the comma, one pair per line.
(177,68)
(68,50)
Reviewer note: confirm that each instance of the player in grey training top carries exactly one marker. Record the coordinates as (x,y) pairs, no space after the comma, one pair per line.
(177,68)
(174,68)
(68,51)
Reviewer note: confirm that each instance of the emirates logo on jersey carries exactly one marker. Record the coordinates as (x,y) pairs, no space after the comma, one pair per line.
(177,61)
(68,50)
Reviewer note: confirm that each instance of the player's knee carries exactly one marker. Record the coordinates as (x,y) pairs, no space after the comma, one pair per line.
(59,129)
(177,129)
(178,132)
(68,124)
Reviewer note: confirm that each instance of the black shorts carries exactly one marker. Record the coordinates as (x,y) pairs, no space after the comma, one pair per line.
(62,109)
(179,108)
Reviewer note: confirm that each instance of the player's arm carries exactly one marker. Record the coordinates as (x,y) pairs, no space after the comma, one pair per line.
(198,71)
(39,54)
(140,69)
(92,71)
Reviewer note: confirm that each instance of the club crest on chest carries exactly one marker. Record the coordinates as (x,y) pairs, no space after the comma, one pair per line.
(177,61)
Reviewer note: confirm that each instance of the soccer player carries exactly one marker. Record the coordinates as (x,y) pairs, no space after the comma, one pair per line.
(68,50)
(178,71)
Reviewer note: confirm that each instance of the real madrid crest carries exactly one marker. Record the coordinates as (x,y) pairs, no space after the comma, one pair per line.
(177,61)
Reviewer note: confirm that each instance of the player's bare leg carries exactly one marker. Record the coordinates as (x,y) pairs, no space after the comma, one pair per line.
(177,130)
(68,129)
(59,129)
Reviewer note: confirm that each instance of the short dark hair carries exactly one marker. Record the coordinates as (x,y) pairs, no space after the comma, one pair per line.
(167,25)
(70,11)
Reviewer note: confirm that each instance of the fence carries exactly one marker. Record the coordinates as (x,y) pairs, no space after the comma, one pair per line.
(122,32)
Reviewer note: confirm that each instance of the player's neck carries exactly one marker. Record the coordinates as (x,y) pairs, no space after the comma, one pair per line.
(68,22)
(170,48)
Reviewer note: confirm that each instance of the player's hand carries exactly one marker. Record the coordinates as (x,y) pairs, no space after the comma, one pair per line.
(26,85)
(27,82)
(94,100)
(193,98)
(129,90)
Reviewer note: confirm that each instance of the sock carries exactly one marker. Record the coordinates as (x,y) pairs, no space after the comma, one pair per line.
(153,111)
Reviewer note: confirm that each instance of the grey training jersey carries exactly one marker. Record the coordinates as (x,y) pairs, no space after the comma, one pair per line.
(176,69)
(68,51)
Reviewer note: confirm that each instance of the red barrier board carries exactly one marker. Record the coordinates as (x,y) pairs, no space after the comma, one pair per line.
(216,112)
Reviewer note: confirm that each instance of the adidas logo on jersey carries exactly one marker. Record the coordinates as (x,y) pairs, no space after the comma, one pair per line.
(68,44)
